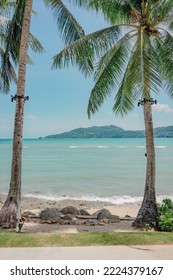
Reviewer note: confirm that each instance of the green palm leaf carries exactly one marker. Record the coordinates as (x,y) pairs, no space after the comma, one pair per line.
(84,50)
(7,72)
(70,29)
(127,90)
(161,9)
(34,43)
(109,73)
(165,47)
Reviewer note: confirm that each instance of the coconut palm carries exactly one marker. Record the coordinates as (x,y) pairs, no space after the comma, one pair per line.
(10,212)
(134,60)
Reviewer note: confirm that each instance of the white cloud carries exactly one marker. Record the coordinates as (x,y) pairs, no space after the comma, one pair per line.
(162,108)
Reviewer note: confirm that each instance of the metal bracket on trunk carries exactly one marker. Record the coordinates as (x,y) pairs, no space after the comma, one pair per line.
(145,100)
(13,98)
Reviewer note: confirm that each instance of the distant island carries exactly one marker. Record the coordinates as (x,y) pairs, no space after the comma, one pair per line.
(112,131)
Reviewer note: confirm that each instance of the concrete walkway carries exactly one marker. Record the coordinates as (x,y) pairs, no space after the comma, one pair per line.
(154,252)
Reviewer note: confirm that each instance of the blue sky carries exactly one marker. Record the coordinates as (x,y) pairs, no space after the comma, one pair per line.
(58,98)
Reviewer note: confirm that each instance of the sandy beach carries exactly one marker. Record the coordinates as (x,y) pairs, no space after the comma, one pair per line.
(36,205)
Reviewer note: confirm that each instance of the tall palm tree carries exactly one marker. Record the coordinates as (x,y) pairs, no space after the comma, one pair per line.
(10,212)
(134,60)
(71,30)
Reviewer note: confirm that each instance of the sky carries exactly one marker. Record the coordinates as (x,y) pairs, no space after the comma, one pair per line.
(58,98)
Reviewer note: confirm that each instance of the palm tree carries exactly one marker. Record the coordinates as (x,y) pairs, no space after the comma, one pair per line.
(10,212)
(134,59)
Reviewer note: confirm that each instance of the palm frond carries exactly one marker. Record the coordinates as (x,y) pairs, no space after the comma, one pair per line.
(35,45)
(164,49)
(118,11)
(7,72)
(109,73)
(148,66)
(161,9)
(86,3)
(171,25)
(3,21)
(129,86)
(6,7)
(13,33)
(114,11)
(169,88)
(141,77)
(69,27)
(83,51)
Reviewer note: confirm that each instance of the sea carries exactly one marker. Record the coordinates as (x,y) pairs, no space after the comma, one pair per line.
(109,170)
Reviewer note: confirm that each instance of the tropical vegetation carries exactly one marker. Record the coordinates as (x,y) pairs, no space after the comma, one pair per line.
(134,60)
(165,218)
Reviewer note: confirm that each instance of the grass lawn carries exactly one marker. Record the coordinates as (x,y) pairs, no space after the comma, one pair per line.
(13,239)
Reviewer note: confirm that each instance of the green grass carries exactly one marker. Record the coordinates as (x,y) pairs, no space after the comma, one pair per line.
(12,239)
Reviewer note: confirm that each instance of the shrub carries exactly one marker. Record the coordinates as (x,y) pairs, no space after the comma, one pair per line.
(165,218)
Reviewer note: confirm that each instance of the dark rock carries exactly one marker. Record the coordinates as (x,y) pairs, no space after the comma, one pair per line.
(67,217)
(103,214)
(70,210)
(87,223)
(84,212)
(64,222)
(94,222)
(111,219)
(106,216)
(51,215)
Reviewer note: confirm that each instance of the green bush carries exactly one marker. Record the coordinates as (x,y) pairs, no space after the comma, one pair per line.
(165,218)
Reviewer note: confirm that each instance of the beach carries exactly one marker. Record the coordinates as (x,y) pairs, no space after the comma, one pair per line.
(36,205)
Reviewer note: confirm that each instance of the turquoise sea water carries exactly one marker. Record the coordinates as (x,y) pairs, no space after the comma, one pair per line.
(93,169)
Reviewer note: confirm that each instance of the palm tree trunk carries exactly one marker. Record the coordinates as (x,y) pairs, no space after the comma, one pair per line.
(148,212)
(10,212)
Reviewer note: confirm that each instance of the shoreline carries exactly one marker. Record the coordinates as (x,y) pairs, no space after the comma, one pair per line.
(36,205)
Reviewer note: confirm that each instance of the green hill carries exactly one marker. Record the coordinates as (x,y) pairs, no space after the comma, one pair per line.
(111,131)
(164,131)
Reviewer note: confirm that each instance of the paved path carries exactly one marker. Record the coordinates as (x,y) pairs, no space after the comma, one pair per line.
(154,252)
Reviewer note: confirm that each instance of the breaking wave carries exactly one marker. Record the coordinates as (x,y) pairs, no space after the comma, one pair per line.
(116,200)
